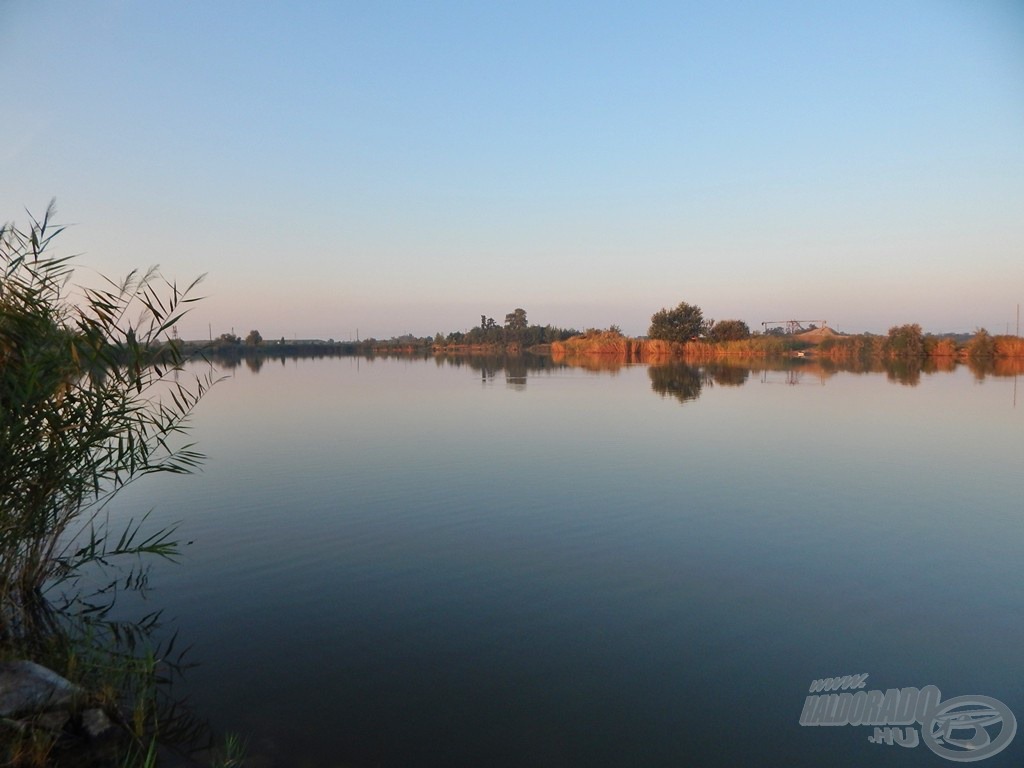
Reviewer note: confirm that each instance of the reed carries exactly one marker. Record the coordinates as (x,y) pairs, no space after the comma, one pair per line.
(860,348)
(631,350)
(89,402)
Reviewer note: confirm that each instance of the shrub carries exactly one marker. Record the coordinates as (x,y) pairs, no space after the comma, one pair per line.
(730,330)
(1009,346)
(940,347)
(982,345)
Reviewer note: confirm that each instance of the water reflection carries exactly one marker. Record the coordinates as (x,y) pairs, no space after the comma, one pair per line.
(676,378)
(796,375)
(686,382)
(906,372)
(727,375)
(515,369)
(570,560)
(596,363)
(1001,366)
(681,381)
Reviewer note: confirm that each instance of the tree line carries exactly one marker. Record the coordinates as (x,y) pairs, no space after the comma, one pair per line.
(516,330)
(686,323)
(682,324)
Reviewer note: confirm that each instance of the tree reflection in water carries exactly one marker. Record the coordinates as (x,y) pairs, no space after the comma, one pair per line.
(678,380)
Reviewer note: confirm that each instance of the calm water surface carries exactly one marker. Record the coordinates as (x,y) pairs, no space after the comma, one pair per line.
(413,563)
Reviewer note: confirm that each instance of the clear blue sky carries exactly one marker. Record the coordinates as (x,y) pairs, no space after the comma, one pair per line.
(406,167)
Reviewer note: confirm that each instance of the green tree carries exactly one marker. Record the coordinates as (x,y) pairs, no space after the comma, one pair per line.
(515,321)
(82,414)
(681,324)
(729,330)
(254,339)
(905,342)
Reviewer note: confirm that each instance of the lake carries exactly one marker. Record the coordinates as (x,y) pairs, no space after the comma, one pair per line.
(407,562)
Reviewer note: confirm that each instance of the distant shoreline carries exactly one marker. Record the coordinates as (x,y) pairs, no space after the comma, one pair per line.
(834,347)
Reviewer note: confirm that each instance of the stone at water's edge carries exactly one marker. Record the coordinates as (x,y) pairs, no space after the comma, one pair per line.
(28,687)
(96,723)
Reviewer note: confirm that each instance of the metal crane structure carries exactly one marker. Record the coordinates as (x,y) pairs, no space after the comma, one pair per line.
(792,326)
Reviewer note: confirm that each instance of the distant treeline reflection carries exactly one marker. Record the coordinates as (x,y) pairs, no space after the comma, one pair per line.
(682,380)
(685,382)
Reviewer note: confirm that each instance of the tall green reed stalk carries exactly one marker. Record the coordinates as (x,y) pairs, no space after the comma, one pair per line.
(90,400)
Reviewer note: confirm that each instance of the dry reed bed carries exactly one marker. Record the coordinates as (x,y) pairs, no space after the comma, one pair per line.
(655,350)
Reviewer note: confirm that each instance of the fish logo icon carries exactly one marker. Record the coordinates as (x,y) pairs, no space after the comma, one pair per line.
(968,728)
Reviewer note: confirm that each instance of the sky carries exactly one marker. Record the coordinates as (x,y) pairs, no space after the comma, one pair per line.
(382,168)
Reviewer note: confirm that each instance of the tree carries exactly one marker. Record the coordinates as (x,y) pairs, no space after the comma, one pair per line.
(729,330)
(681,324)
(515,321)
(905,342)
(253,339)
(80,414)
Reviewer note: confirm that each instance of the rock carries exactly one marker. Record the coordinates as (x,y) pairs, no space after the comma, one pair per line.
(29,687)
(51,721)
(96,723)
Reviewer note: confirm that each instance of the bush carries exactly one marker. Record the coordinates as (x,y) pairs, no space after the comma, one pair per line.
(940,347)
(982,345)
(729,330)
(1009,346)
